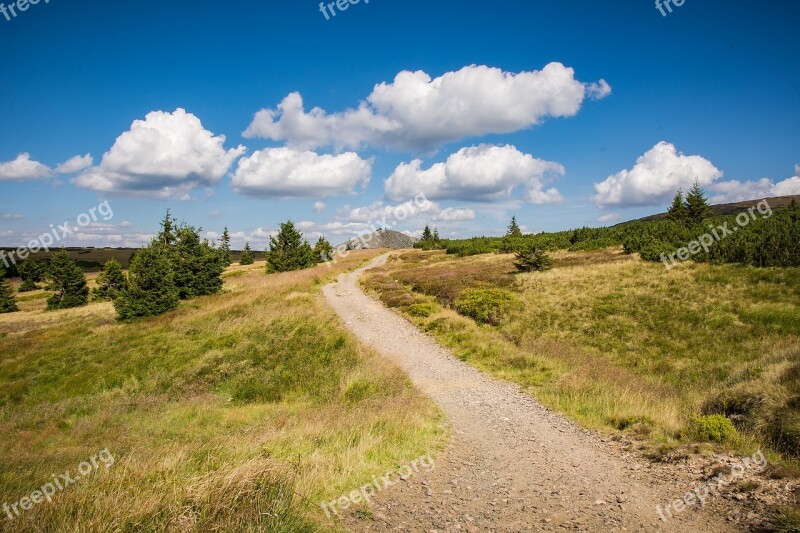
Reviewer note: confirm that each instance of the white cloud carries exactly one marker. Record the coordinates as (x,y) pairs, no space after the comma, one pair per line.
(75,164)
(416,111)
(166,155)
(453,214)
(319,207)
(13,216)
(478,173)
(655,178)
(125,224)
(738,191)
(290,173)
(24,168)
(611,217)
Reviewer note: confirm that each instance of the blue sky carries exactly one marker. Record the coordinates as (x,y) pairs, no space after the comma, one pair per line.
(501,102)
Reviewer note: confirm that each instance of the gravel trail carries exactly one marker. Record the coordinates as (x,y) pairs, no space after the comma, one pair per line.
(512,465)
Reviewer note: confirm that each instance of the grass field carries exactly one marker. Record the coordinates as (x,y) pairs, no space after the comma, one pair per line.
(620,344)
(238,411)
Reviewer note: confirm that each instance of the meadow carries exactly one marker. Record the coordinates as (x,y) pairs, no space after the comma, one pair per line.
(237,411)
(620,344)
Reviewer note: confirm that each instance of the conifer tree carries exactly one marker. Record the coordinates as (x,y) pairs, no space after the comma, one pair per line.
(197,266)
(151,289)
(289,251)
(247,255)
(427,236)
(697,207)
(31,272)
(167,234)
(67,279)
(110,282)
(677,210)
(513,228)
(225,246)
(436,238)
(7,302)
(533,259)
(323,251)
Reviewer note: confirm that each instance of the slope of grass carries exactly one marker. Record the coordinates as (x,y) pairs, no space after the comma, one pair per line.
(615,342)
(236,412)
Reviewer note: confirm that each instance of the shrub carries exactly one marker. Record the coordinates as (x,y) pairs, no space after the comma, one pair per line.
(247,255)
(423,310)
(533,260)
(712,428)
(486,306)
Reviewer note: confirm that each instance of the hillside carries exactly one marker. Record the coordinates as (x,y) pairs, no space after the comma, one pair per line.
(384,238)
(733,208)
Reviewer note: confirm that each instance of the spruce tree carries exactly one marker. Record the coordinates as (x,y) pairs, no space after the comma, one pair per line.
(225,247)
(167,234)
(247,255)
(110,282)
(427,236)
(7,302)
(197,266)
(31,272)
(533,259)
(677,210)
(289,251)
(436,238)
(151,288)
(323,251)
(67,279)
(697,208)
(513,228)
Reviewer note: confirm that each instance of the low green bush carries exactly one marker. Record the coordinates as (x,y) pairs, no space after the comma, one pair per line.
(712,428)
(486,306)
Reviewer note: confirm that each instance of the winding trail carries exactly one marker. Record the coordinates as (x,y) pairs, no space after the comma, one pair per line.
(512,465)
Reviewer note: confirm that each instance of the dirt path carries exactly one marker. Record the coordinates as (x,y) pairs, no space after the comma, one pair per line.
(512,465)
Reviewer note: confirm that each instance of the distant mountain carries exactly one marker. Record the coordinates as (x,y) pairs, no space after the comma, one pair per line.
(384,238)
(735,208)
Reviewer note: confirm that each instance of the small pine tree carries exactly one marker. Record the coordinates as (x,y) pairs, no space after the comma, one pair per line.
(427,236)
(533,259)
(289,251)
(697,208)
(436,238)
(678,210)
(66,278)
(110,282)
(7,302)
(323,251)
(167,234)
(225,247)
(513,228)
(196,265)
(31,272)
(247,256)
(151,289)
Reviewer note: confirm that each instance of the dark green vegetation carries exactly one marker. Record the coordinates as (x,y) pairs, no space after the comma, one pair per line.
(769,238)
(289,251)
(67,281)
(110,282)
(8,304)
(247,257)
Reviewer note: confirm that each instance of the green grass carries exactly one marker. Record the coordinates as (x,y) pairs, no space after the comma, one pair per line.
(622,344)
(236,412)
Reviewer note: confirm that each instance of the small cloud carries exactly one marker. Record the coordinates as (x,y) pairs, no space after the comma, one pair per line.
(319,207)
(125,224)
(611,217)
(598,90)
(24,168)
(13,216)
(75,164)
